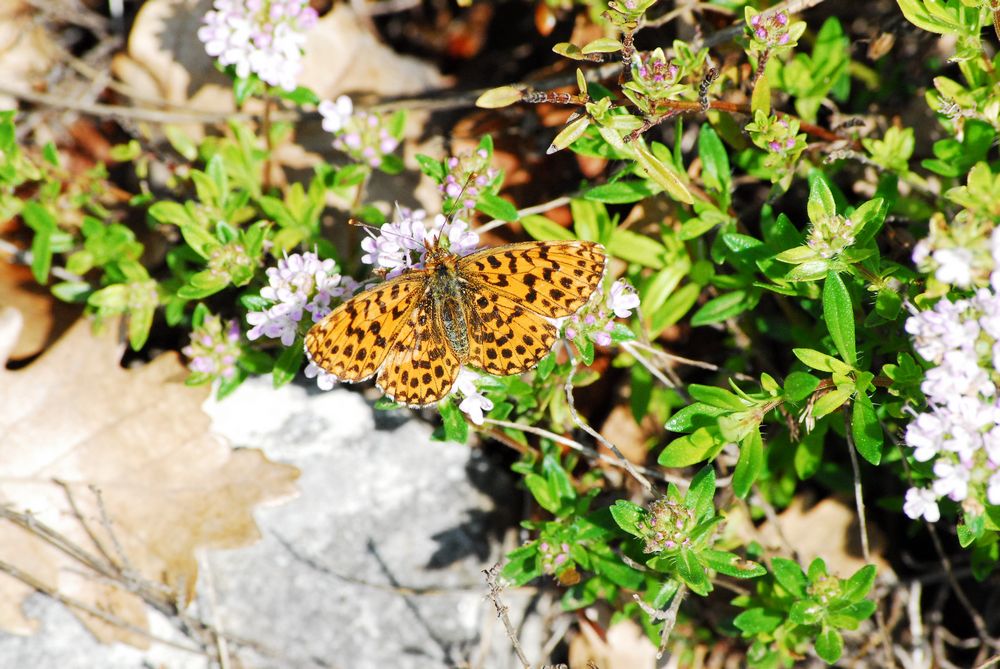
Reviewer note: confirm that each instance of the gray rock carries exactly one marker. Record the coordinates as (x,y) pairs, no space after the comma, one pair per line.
(377,563)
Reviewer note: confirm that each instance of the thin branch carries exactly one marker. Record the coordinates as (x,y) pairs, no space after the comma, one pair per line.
(109,618)
(866,553)
(669,617)
(24,257)
(589,452)
(626,463)
(496,590)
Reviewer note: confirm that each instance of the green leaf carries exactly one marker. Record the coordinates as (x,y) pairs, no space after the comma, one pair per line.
(633,247)
(831,401)
(717,397)
(72,291)
(619,192)
(496,207)
(789,575)
(805,612)
(731,564)
(829,645)
(857,587)
(866,430)
(288,363)
(750,464)
(663,175)
(628,516)
(690,449)
(455,427)
(758,621)
(41,220)
(140,322)
(701,493)
(821,204)
(543,229)
(692,572)
(590,220)
(722,307)
(815,359)
(800,385)
(715,171)
(839,315)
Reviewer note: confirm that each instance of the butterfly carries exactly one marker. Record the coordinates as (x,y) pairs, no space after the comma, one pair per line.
(491,310)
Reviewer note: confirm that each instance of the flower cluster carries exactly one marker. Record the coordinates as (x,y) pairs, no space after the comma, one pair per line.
(958,254)
(667,526)
(597,321)
(655,74)
(780,138)
(831,235)
(960,430)
(473,403)
(771,30)
(263,37)
(402,244)
(214,348)
(300,283)
(361,135)
(468,174)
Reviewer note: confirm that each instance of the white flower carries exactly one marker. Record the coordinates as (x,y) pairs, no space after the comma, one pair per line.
(924,435)
(993,489)
(921,502)
(324,380)
(952,480)
(622,299)
(474,404)
(336,114)
(954,266)
(265,38)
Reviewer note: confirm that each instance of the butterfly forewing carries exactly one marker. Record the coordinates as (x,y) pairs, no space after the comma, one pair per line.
(352,341)
(553,279)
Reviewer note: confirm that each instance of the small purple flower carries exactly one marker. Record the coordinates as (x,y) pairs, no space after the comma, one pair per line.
(402,244)
(214,348)
(300,283)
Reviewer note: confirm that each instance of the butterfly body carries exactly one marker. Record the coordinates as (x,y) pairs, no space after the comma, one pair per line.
(490,310)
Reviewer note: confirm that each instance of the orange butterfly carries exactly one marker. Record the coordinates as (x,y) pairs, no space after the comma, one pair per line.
(490,310)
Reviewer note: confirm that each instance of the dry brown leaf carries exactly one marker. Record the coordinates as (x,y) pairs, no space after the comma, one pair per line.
(44,315)
(26,50)
(625,646)
(828,530)
(79,430)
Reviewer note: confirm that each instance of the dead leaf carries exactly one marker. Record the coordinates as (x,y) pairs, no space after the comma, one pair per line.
(81,432)
(44,315)
(625,646)
(26,50)
(829,530)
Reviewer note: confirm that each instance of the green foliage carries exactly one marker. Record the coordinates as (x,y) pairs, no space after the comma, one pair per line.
(791,610)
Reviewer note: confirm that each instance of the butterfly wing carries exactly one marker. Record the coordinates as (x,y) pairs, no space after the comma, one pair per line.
(512,292)
(551,279)
(421,366)
(504,337)
(353,340)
